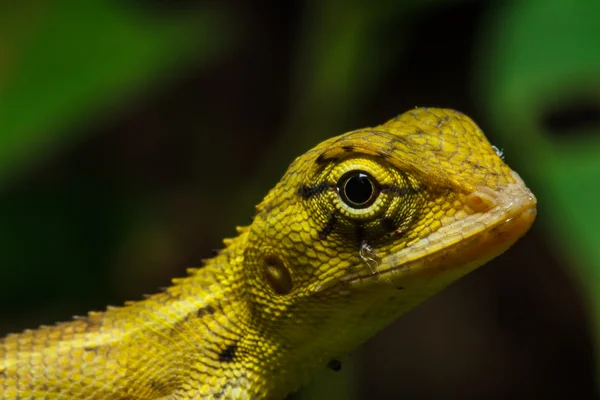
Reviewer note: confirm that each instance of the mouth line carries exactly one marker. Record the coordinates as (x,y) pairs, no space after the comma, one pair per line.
(464,244)
(390,268)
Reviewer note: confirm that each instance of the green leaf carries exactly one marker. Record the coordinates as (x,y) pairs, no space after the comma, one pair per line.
(63,60)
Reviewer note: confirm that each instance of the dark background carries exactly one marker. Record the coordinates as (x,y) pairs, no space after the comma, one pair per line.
(135,135)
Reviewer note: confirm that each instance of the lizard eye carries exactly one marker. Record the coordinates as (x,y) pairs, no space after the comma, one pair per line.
(358,189)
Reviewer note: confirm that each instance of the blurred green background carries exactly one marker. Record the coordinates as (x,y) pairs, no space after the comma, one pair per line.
(135,135)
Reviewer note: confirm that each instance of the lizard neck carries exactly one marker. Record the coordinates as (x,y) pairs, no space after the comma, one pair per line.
(198,327)
(181,342)
(211,336)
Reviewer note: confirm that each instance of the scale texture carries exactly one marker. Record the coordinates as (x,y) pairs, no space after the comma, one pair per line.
(359,230)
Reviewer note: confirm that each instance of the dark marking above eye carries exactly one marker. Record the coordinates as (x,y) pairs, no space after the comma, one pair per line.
(321,159)
(228,353)
(329,226)
(308,191)
(334,365)
(348,148)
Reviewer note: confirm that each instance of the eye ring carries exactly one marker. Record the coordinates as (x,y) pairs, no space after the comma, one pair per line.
(358,189)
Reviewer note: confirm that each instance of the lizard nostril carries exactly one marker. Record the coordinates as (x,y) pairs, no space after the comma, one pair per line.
(481,202)
(277,274)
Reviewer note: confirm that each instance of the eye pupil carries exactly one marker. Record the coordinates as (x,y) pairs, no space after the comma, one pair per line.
(358,189)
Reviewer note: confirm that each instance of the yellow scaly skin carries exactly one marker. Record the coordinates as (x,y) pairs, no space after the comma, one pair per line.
(329,260)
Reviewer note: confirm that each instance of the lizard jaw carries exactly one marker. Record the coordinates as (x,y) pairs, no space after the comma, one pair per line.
(457,248)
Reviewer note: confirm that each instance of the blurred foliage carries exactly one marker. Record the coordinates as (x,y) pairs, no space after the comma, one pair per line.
(64,64)
(134,135)
(540,84)
(63,59)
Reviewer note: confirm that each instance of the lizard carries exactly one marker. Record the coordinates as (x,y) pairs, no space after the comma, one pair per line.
(360,229)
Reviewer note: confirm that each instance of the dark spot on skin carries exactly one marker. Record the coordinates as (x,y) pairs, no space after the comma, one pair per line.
(306,192)
(400,288)
(388,225)
(334,365)
(208,310)
(228,353)
(329,226)
(348,148)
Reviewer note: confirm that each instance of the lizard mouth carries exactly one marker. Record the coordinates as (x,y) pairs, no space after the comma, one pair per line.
(457,248)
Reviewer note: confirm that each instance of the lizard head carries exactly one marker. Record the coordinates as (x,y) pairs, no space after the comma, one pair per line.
(368,224)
